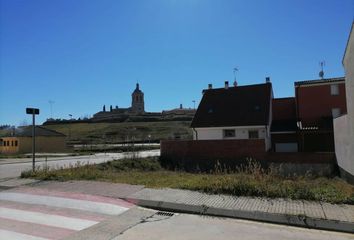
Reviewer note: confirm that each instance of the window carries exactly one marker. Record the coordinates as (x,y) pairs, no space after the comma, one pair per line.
(335,112)
(334,89)
(12,143)
(253,134)
(16,143)
(229,133)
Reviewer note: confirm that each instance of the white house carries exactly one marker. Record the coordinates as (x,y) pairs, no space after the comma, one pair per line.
(344,125)
(238,112)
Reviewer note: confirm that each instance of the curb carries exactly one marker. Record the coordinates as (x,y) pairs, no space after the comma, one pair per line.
(17,182)
(285,219)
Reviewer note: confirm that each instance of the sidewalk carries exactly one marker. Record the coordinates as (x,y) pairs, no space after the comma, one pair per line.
(289,212)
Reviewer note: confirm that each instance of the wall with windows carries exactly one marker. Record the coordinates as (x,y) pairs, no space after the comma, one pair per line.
(47,144)
(233,133)
(319,100)
(9,145)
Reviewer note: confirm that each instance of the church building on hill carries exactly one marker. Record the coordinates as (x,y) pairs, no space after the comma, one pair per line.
(137,112)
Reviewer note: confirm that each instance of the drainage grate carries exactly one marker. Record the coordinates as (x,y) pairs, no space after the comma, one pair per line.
(167,214)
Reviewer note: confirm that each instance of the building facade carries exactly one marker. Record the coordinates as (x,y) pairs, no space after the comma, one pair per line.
(319,101)
(284,128)
(235,113)
(137,101)
(344,125)
(136,112)
(20,141)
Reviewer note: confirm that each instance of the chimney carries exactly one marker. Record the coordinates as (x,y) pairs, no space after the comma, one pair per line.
(267,79)
(210,86)
(226,84)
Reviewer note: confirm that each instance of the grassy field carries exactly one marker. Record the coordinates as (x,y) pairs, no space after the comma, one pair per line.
(248,181)
(95,133)
(120,132)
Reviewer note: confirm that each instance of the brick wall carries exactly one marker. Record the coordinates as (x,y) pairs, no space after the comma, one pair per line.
(207,149)
(204,154)
(301,158)
(312,108)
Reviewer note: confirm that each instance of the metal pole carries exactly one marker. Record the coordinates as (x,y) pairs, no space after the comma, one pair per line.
(33,142)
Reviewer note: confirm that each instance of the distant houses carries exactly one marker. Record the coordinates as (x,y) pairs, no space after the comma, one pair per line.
(303,123)
(20,141)
(235,123)
(135,113)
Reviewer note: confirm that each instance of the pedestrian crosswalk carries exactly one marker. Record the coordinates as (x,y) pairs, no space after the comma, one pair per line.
(32,213)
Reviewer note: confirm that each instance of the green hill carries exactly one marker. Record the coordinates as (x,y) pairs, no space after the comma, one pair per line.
(92,133)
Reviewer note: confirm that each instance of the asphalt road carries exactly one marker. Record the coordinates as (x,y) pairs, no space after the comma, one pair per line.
(11,168)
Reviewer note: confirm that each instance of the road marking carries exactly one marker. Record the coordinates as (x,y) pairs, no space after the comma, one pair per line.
(31,213)
(66,212)
(38,230)
(104,208)
(46,219)
(7,235)
(72,195)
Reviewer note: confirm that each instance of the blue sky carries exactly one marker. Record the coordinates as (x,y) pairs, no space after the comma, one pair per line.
(84,54)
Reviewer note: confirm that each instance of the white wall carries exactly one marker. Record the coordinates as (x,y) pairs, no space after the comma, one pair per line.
(343,144)
(344,126)
(240,133)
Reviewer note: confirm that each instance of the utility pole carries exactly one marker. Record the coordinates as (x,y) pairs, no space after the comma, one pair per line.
(193,104)
(34,112)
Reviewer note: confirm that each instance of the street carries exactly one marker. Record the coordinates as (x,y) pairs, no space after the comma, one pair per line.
(54,213)
(30,213)
(12,170)
(186,226)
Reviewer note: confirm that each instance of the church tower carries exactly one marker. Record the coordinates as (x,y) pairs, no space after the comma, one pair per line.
(137,101)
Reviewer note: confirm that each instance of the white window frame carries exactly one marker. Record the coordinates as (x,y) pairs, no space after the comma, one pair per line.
(334,89)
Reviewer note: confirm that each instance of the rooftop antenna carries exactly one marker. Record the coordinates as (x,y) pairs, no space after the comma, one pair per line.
(51,102)
(321,73)
(235,70)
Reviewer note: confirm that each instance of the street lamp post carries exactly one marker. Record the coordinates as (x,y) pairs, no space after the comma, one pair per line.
(34,112)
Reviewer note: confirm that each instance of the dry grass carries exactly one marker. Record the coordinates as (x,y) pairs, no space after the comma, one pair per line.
(250,180)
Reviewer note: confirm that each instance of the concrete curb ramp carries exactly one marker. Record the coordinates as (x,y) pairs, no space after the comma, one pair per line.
(289,212)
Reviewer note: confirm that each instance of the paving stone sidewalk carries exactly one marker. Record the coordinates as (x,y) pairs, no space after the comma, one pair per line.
(291,212)
(337,217)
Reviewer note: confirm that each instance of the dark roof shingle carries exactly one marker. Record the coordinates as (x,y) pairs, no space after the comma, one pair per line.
(236,106)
